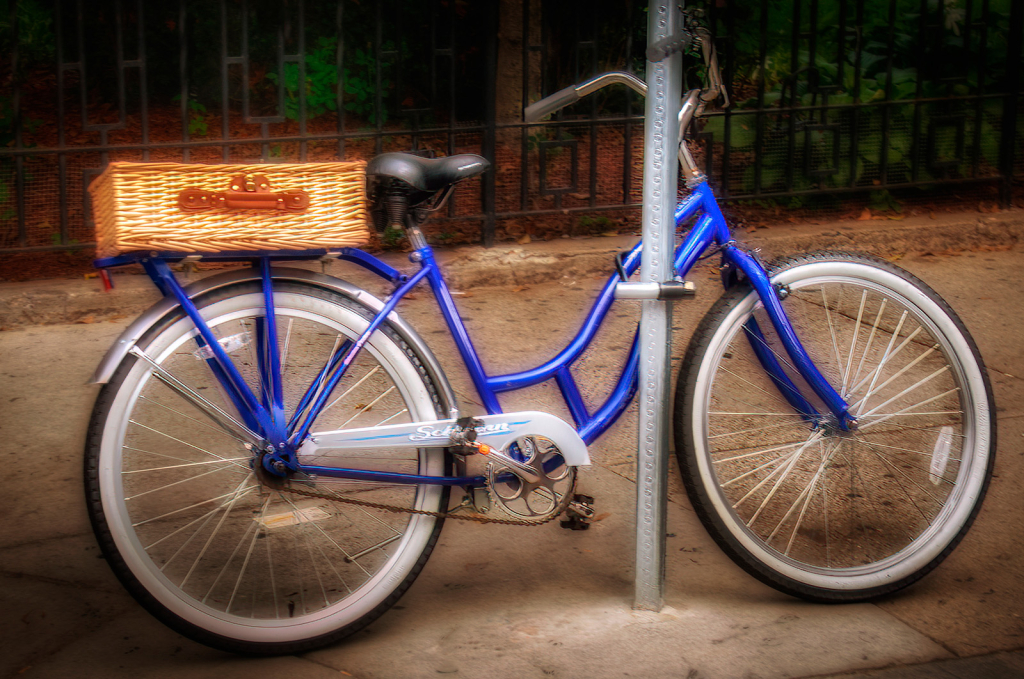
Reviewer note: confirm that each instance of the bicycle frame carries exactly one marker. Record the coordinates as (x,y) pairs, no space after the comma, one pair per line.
(263,415)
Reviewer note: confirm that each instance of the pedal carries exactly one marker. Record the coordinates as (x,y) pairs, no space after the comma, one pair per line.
(579,513)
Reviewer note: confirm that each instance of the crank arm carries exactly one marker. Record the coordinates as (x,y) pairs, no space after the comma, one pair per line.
(497,431)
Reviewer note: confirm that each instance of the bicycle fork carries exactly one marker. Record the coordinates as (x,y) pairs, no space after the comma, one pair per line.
(770,298)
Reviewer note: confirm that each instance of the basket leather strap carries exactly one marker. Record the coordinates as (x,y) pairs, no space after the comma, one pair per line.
(244,194)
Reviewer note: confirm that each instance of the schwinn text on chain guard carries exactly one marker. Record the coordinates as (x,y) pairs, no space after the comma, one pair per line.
(497,431)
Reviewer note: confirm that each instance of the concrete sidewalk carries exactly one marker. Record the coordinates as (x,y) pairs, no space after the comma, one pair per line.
(74,301)
(527,602)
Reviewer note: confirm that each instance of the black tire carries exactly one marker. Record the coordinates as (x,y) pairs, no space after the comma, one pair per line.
(816,512)
(211,549)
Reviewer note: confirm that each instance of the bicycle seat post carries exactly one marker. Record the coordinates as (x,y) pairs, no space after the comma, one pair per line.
(661,135)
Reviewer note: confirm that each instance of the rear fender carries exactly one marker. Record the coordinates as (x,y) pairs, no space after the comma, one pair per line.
(152,316)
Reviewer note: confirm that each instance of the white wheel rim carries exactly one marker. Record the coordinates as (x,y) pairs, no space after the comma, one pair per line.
(971,475)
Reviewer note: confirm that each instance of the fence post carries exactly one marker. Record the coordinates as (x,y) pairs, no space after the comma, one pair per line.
(661,134)
(490,126)
(1013,88)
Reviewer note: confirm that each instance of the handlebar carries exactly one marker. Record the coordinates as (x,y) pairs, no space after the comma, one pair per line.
(694,101)
(573,93)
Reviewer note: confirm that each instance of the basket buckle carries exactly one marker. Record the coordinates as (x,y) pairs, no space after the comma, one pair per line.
(244,193)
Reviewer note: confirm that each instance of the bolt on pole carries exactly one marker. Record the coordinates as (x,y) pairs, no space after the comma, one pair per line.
(661,135)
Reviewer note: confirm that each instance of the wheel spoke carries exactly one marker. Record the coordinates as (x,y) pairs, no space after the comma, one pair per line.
(367,407)
(853,343)
(871,338)
(348,391)
(911,388)
(908,478)
(895,375)
(748,431)
(211,410)
(220,430)
(802,500)
(182,466)
(831,327)
(782,479)
(874,374)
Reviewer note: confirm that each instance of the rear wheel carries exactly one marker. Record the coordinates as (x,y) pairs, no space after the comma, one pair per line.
(806,507)
(221,554)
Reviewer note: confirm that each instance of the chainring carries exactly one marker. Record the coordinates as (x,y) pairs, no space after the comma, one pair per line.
(543,490)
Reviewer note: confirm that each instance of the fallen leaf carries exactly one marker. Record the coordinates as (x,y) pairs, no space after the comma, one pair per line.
(609,234)
(931,215)
(86,320)
(520,288)
(602,517)
(897,218)
(524,239)
(865,215)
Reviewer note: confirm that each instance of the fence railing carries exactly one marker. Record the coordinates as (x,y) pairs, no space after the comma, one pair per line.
(831,96)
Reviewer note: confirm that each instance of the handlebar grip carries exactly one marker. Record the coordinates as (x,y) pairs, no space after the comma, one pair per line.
(550,104)
(666,47)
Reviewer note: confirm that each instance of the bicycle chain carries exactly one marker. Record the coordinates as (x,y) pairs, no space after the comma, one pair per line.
(441,515)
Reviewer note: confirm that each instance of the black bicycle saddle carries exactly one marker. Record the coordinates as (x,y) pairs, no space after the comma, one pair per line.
(427,174)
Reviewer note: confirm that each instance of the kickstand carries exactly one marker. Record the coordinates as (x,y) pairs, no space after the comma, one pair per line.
(579,513)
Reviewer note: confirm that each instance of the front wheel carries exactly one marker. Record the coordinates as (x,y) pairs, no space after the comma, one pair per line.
(804,506)
(228,556)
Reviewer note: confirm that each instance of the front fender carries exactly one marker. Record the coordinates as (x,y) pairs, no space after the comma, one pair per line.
(149,318)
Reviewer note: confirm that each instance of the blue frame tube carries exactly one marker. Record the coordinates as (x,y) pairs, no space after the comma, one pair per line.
(330,365)
(390,477)
(579,343)
(268,354)
(776,374)
(318,403)
(758,278)
(363,259)
(618,400)
(710,228)
(458,329)
(232,380)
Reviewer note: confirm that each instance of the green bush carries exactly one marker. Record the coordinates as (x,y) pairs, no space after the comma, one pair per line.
(866,80)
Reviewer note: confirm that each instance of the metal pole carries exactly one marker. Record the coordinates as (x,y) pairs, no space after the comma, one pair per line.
(661,132)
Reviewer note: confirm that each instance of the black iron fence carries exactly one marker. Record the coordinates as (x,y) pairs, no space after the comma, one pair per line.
(830,96)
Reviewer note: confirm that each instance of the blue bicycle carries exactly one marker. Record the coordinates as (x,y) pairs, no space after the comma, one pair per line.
(271,458)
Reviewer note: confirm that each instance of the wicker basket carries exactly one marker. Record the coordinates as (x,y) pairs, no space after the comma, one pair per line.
(214,208)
